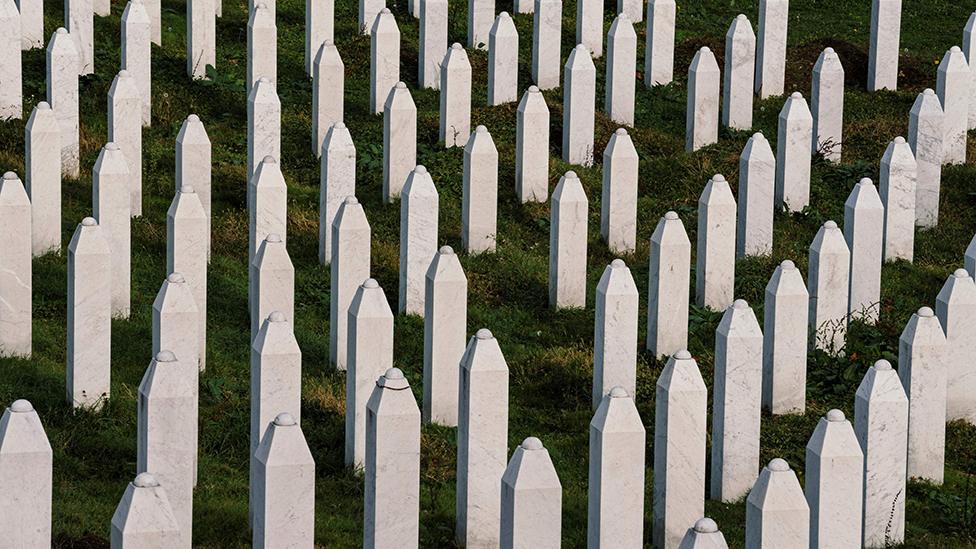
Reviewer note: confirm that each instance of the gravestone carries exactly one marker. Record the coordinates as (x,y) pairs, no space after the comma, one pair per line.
(273,276)
(956,308)
(481,14)
(262,45)
(186,253)
(111,203)
(445,330)
(502,60)
(482,440)
(370,353)
(740,70)
(62,95)
(154,11)
(11,65)
(774,18)
(701,119)
(319,27)
(615,491)
(704,535)
(715,257)
(26,463)
(884,45)
(137,53)
(285,487)
(392,506)
(620,78)
(89,352)
(384,59)
(328,87)
(736,398)
(679,449)
(125,130)
(351,244)
(432,42)
(829,286)
(615,332)
(337,181)
(42,178)
(634,9)
(532,147)
(618,204)
(926,131)
(176,322)
(79,20)
(659,46)
(479,194)
(969,48)
(418,238)
(668,287)
(827,104)
(757,188)
(193,164)
(785,341)
(777,514)
(835,483)
(567,244)
(793,145)
(589,26)
(897,189)
(864,233)
(455,97)
(267,204)
(368,10)
(881,425)
(953,86)
(579,96)
(546,42)
(921,367)
(263,127)
(531,514)
(201,38)
(32,23)
(144,517)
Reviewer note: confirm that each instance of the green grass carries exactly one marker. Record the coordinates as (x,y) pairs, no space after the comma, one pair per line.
(549,354)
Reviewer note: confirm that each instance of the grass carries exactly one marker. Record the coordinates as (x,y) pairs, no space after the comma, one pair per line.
(549,354)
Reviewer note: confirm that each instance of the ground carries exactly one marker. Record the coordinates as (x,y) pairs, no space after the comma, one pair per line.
(549,354)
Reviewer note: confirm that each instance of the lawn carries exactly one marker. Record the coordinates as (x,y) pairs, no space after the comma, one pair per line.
(549,353)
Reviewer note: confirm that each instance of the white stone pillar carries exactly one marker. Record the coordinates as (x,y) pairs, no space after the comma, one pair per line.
(368,10)
(144,517)
(897,189)
(621,74)
(337,181)
(829,278)
(167,439)
(32,23)
(794,141)
(12,90)
(531,497)
(319,27)
(125,130)
(481,14)
(201,37)
(969,48)
(154,13)
(194,164)
(579,96)
(922,369)
(757,188)
(835,483)
(589,26)
(328,87)
(969,257)
(186,253)
(482,440)
(432,43)
(349,267)
(634,9)
(399,140)
(615,491)
(701,119)
(618,205)
(546,42)
(370,353)
(445,330)
(479,201)
(567,244)
(26,464)
(284,514)
(532,147)
(79,20)
(384,59)
(740,70)
(884,45)
(263,126)
(774,16)
(703,535)
(89,353)
(42,178)
(926,131)
(111,202)
(827,104)
(668,287)
(881,425)
(956,308)
(715,265)
(62,95)
(864,232)
(785,335)
(659,47)
(679,448)
(455,97)
(262,45)
(273,277)
(503,47)
(392,507)
(735,404)
(953,86)
(137,53)
(777,514)
(175,322)
(615,332)
(267,206)
(418,238)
